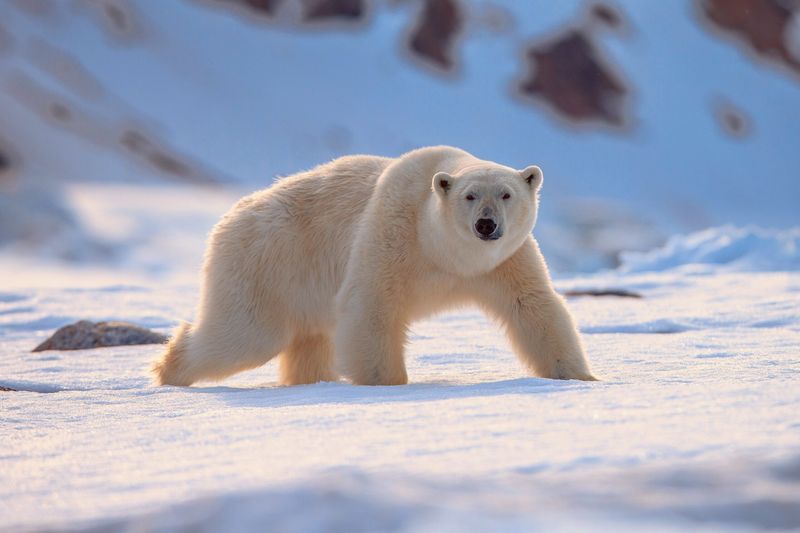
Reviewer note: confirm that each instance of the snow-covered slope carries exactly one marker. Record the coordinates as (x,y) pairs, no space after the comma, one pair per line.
(198,91)
(728,247)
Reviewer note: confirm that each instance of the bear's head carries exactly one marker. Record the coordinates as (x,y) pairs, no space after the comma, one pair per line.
(490,208)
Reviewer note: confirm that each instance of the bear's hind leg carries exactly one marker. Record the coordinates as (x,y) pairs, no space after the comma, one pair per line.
(369,343)
(168,369)
(198,353)
(307,359)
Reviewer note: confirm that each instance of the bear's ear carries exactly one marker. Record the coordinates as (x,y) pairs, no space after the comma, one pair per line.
(533,176)
(442,182)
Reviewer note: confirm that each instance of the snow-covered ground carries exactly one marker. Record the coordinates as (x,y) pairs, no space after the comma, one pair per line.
(695,422)
(109,109)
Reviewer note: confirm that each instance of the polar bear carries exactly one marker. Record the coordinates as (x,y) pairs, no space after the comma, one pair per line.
(327,268)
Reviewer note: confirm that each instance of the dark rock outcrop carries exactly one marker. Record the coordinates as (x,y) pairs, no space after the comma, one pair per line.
(435,32)
(607,15)
(762,25)
(258,8)
(318,10)
(9,159)
(154,154)
(313,10)
(619,293)
(569,74)
(85,334)
(731,119)
(122,21)
(266,7)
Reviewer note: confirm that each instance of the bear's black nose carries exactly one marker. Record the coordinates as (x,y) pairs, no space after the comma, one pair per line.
(485,226)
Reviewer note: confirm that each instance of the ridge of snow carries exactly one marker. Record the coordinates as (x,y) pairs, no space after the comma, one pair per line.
(747,249)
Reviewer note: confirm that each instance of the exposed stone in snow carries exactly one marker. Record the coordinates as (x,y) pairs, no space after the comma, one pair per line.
(85,334)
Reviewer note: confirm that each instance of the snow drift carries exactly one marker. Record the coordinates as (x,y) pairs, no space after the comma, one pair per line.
(749,249)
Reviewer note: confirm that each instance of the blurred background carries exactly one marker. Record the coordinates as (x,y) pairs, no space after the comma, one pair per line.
(128,127)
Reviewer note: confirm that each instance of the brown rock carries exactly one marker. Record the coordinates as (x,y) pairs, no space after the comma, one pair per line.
(157,155)
(569,74)
(267,7)
(761,24)
(123,21)
(731,119)
(619,293)
(333,9)
(435,32)
(260,8)
(85,334)
(607,15)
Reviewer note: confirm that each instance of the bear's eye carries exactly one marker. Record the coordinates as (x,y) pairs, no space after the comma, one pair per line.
(506,196)
(470,197)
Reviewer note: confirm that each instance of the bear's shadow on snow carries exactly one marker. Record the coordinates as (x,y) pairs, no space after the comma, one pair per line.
(344,393)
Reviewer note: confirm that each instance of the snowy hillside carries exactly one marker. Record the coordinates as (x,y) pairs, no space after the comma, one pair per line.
(670,122)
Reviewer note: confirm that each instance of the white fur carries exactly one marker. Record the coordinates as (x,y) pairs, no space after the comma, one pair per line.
(332,265)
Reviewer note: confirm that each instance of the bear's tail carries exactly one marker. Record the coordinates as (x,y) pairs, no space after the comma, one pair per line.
(171,367)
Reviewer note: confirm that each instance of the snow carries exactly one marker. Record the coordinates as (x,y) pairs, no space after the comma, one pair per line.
(741,249)
(694,424)
(255,99)
(147,233)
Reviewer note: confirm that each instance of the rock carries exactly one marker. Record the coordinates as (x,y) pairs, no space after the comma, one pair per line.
(607,15)
(156,154)
(316,10)
(434,35)
(620,293)
(264,9)
(763,26)
(8,158)
(85,334)
(268,7)
(571,76)
(7,389)
(123,21)
(731,119)
(260,7)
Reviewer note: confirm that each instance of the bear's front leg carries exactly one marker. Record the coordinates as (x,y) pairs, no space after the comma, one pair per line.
(541,329)
(370,335)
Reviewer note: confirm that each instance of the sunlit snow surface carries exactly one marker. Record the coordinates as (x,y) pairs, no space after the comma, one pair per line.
(695,423)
